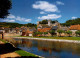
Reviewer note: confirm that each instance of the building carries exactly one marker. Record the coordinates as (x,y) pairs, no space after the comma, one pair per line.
(74,28)
(28,31)
(48,25)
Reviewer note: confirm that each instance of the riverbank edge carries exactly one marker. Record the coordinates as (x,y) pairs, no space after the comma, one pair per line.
(20,49)
(60,40)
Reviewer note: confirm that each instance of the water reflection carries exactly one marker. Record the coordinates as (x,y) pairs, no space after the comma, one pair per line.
(49,49)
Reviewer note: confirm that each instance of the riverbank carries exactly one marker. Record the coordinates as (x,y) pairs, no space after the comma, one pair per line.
(49,39)
(7,50)
(65,38)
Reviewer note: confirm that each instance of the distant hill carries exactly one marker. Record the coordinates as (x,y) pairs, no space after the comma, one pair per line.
(13,25)
(71,22)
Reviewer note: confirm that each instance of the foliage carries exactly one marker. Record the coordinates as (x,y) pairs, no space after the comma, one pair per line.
(30,25)
(77,32)
(37,33)
(60,31)
(44,22)
(13,25)
(52,32)
(24,53)
(45,32)
(5,5)
(71,22)
(69,32)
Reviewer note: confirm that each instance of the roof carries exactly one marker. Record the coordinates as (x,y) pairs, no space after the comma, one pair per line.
(44,30)
(54,27)
(75,27)
(63,28)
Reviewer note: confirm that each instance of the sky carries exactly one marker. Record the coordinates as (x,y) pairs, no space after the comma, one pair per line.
(31,11)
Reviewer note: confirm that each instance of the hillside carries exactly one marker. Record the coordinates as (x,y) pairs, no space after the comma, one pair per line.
(13,25)
(71,22)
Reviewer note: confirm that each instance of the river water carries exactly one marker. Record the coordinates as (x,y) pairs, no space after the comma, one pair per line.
(49,49)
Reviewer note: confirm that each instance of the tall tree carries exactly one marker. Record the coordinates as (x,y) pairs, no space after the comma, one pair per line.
(5,5)
(52,32)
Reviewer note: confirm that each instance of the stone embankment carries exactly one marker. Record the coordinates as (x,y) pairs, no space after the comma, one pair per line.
(59,40)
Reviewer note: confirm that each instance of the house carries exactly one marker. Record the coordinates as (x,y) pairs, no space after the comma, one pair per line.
(48,25)
(28,31)
(17,30)
(74,28)
(45,30)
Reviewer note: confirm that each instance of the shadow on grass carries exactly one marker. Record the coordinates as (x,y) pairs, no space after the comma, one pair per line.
(8,48)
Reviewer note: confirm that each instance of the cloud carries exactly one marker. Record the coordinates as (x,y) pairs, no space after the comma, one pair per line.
(42,12)
(23,19)
(74,17)
(50,16)
(11,16)
(7,20)
(28,20)
(45,6)
(59,3)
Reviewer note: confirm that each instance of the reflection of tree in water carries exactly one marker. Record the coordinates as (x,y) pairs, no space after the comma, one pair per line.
(27,43)
(49,46)
(58,47)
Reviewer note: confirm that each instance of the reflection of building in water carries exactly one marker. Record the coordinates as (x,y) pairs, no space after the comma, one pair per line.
(27,43)
(48,46)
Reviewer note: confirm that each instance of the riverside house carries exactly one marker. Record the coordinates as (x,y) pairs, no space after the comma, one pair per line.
(27,31)
(74,28)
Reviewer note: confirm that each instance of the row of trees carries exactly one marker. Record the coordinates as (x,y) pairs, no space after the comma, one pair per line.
(52,32)
(71,22)
(14,25)
(68,32)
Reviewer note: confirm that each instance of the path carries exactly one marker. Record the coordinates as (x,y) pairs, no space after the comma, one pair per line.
(6,50)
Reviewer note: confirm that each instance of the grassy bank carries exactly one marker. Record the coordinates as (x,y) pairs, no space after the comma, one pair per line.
(66,38)
(3,40)
(22,53)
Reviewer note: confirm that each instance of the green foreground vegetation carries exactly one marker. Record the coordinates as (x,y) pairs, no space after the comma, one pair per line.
(65,38)
(3,41)
(22,52)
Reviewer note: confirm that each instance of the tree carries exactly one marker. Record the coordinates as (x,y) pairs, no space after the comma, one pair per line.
(78,32)
(43,22)
(52,32)
(5,5)
(45,33)
(60,31)
(69,32)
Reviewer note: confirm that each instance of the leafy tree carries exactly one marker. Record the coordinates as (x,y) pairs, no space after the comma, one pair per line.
(45,33)
(78,32)
(60,31)
(37,33)
(52,32)
(69,32)
(5,5)
(43,22)
(71,22)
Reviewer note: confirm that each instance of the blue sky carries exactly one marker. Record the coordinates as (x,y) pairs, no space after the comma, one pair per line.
(31,11)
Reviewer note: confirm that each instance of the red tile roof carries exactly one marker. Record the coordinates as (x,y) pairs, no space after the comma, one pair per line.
(44,30)
(75,27)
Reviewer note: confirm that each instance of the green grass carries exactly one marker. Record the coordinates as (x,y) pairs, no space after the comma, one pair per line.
(3,40)
(66,38)
(24,53)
